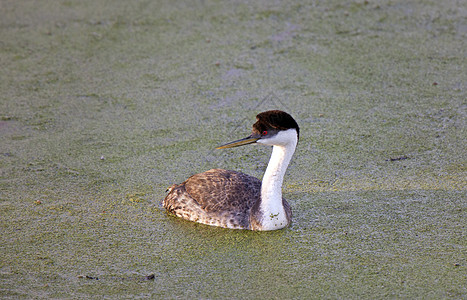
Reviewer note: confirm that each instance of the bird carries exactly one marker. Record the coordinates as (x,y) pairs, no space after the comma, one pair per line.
(235,200)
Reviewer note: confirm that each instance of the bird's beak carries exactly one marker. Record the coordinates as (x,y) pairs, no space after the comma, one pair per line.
(248,140)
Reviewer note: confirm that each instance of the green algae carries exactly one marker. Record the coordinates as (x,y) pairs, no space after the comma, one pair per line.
(104,106)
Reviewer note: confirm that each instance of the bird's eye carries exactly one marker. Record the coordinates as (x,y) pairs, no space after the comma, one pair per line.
(264,132)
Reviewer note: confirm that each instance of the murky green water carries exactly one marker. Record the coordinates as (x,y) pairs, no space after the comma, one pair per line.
(105,104)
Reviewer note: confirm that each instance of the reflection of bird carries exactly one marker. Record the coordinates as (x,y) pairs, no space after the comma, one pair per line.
(235,200)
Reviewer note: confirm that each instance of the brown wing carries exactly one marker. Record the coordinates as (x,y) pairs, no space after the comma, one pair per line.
(223,190)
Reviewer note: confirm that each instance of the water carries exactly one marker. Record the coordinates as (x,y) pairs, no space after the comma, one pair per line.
(105,106)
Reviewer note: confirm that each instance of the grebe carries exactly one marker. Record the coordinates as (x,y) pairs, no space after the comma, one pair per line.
(235,200)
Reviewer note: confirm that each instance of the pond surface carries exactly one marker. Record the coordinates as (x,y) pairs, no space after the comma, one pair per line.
(104,105)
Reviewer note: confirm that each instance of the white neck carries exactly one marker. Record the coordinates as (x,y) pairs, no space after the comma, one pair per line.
(272,208)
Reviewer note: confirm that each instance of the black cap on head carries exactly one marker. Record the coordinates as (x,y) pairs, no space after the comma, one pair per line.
(275,119)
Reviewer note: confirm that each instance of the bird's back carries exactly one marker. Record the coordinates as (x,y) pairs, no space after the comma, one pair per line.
(216,197)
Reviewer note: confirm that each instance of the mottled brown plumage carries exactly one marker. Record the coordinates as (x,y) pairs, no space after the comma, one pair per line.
(217,197)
